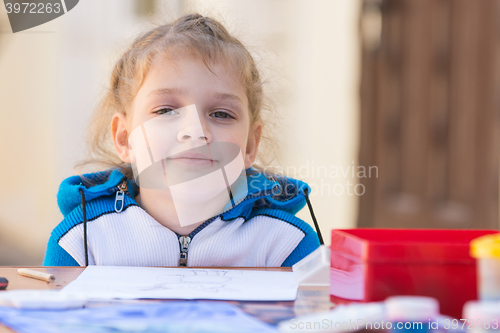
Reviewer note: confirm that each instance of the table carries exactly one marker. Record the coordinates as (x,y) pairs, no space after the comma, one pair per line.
(309,299)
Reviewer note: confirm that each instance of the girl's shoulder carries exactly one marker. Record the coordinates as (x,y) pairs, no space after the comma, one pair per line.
(277,192)
(273,195)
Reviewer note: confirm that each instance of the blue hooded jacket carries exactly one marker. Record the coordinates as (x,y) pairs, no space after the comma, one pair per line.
(278,198)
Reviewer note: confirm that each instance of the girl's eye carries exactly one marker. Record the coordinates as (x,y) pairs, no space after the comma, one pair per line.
(221,115)
(166,111)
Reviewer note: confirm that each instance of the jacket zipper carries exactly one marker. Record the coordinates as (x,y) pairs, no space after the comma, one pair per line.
(185,241)
(120,196)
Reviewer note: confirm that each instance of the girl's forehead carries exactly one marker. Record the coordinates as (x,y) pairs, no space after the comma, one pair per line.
(190,72)
(187,63)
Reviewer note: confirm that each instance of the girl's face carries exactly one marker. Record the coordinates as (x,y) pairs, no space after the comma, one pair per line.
(221,113)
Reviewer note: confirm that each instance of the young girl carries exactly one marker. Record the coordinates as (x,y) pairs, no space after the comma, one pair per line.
(191,94)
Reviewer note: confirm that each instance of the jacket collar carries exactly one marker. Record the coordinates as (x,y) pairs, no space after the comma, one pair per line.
(264,191)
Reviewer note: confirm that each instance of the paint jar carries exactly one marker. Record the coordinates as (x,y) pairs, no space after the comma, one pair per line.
(481,317)
(408,314)
(486,249)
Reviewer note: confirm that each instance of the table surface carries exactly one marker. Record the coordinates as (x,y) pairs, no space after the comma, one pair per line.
(309,299)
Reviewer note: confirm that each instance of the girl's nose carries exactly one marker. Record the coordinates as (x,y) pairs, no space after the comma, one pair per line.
(193,128)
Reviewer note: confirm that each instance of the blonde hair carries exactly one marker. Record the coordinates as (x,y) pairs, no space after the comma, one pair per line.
(192,34)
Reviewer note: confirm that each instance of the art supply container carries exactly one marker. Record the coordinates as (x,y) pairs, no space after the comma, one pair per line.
(486,250)
(481,317)
(314,269)
(369,265)
(409,314)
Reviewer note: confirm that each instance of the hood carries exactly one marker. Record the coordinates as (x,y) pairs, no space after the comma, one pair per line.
(69,197)
(270,191)
(264,191)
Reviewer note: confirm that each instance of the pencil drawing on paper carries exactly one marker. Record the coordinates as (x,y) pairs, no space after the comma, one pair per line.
(211,281)
(104,282)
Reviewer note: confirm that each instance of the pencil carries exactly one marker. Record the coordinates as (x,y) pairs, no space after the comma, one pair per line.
(36,274)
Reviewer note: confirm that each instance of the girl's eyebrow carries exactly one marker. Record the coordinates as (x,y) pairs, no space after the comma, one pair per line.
(227,97)
(166,91)
(177,91)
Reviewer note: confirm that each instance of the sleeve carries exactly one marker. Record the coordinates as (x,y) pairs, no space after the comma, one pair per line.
(308,244)
(55,255)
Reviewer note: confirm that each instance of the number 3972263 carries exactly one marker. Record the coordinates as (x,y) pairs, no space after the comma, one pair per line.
(33,8)
(470,323)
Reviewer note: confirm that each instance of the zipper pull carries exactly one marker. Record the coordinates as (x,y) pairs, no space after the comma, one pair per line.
(183,258)
(120,196)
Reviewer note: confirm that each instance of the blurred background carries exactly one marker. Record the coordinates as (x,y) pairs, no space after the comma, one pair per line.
(387,108)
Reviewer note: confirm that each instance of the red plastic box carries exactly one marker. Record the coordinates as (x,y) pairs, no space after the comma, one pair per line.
(371,264)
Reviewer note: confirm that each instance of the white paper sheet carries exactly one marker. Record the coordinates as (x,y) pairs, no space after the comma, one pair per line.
(105,282)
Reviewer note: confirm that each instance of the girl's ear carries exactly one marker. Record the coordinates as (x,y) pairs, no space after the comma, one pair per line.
(253,144)
(120,136)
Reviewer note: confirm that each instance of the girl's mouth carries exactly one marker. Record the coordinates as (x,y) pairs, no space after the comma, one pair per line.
(192,158)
